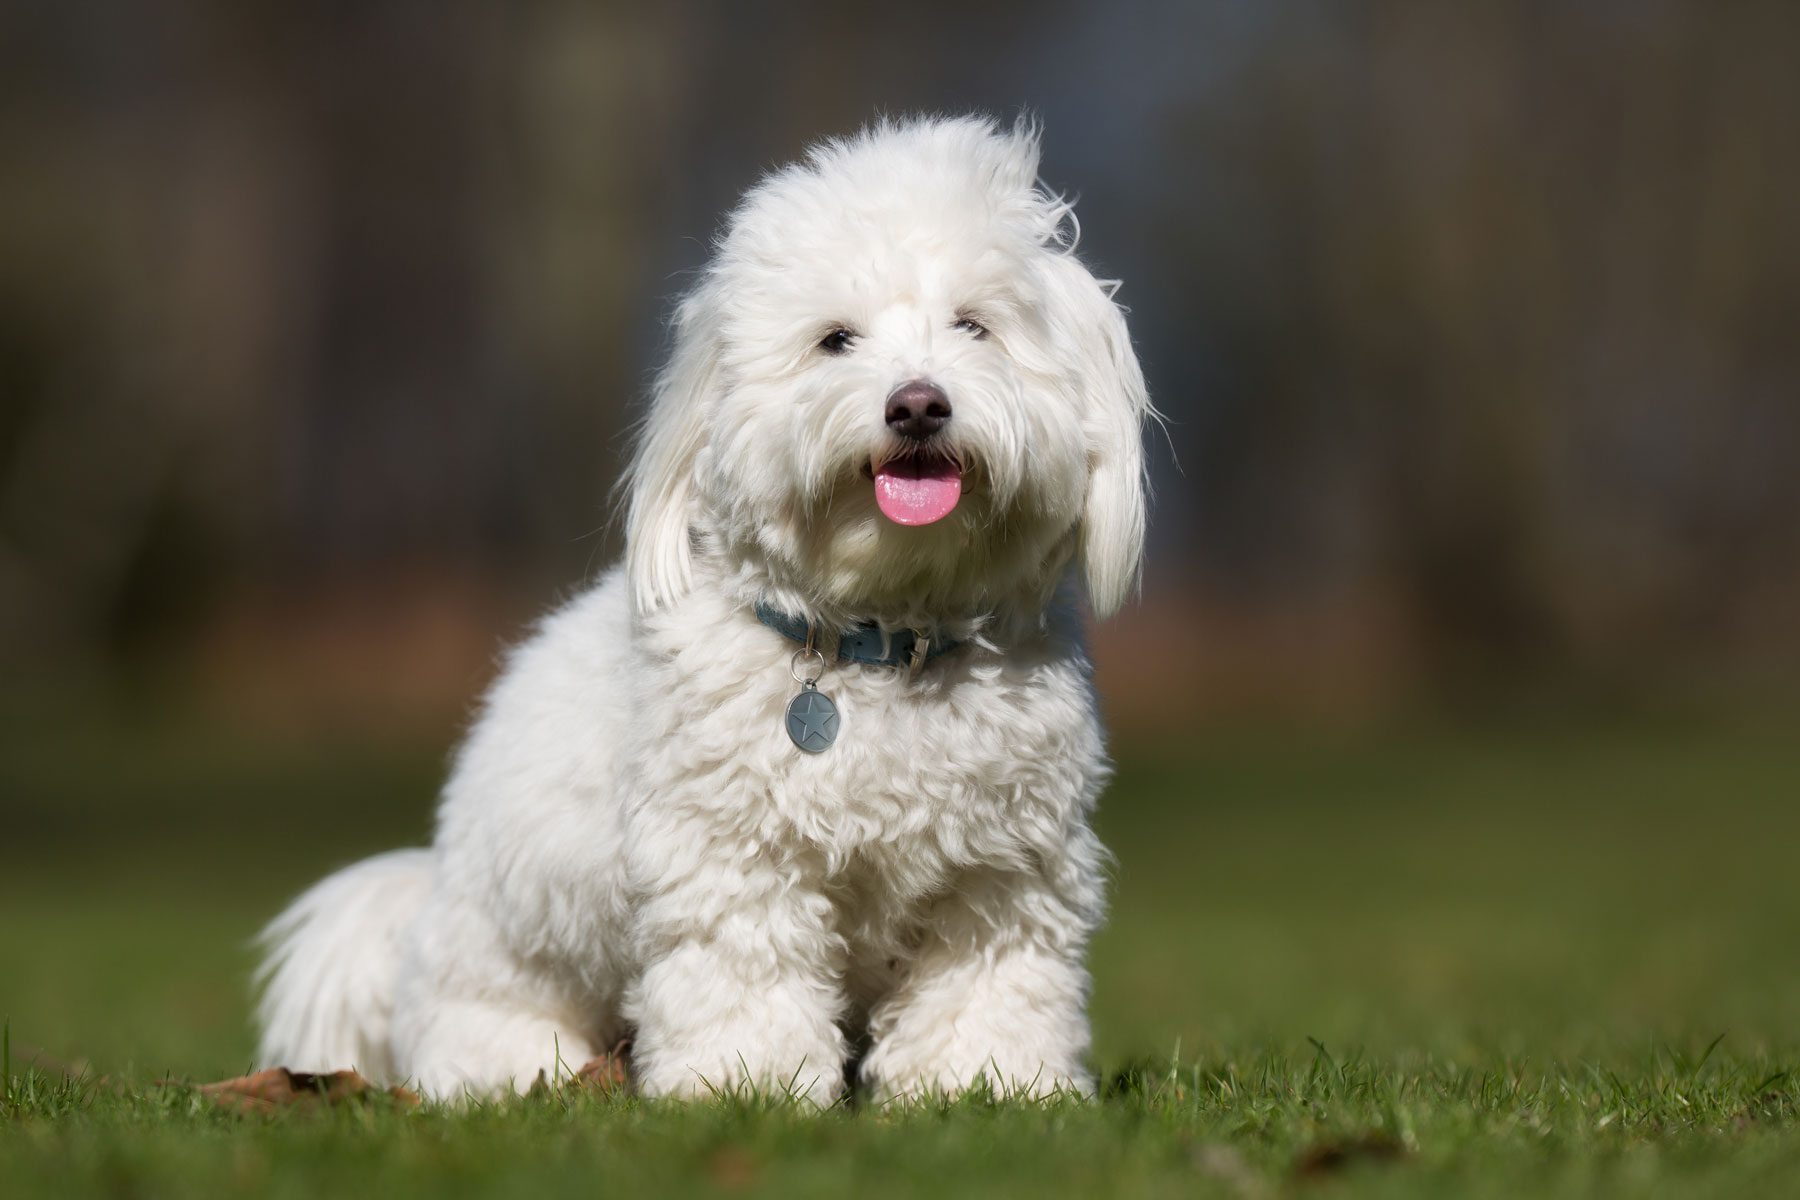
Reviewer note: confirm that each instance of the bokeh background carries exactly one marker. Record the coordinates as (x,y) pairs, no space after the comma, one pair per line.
(1459,700)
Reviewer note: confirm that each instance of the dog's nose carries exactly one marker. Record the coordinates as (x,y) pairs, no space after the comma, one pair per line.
(918,409)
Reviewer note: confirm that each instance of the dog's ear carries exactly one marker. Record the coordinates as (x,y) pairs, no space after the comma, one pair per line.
(660,481)
(1116,403)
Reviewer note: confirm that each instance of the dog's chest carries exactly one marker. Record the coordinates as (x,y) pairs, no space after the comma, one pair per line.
(984,756)
(966,763)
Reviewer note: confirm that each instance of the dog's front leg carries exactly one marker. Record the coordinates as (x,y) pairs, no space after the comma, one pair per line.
(741,977)
(998,991)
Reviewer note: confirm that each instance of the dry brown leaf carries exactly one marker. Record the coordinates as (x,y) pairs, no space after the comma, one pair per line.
(731,1168)
(278,1088)
(608,1073)
(1327,1158)
(605,1075)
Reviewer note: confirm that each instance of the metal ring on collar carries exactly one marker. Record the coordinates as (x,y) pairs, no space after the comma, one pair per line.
(802,654)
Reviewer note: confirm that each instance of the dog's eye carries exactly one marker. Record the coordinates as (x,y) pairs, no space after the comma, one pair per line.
(837,341)
(971,326)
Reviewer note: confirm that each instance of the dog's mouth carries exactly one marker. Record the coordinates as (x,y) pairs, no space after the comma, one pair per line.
(917,487)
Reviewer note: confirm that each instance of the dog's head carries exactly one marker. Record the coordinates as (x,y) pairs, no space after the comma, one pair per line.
(896,391)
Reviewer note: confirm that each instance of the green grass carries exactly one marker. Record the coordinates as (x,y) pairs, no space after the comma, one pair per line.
(1518,961)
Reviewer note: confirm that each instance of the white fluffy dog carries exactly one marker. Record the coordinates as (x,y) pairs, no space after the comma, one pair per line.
(814,768)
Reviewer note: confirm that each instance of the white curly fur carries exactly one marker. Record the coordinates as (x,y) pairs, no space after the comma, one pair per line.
(629,845)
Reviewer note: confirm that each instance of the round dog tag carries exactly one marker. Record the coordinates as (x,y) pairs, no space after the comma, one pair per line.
(812,720)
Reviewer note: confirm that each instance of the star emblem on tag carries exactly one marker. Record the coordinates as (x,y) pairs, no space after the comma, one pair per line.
(812,720)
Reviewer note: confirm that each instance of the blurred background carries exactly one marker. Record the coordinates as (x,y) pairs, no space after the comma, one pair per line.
(322,325)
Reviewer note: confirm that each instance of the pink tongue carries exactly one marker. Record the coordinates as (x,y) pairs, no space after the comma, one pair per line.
(911,492)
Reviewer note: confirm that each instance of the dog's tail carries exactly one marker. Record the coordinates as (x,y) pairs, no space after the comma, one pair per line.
(332,961)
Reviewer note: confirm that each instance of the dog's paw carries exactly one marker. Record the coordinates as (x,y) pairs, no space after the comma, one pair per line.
(742,1068)
(898,1076)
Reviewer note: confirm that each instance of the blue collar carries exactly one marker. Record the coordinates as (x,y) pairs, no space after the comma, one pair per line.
(866,643)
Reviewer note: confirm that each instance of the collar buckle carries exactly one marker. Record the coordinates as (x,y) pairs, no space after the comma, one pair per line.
(921,650)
